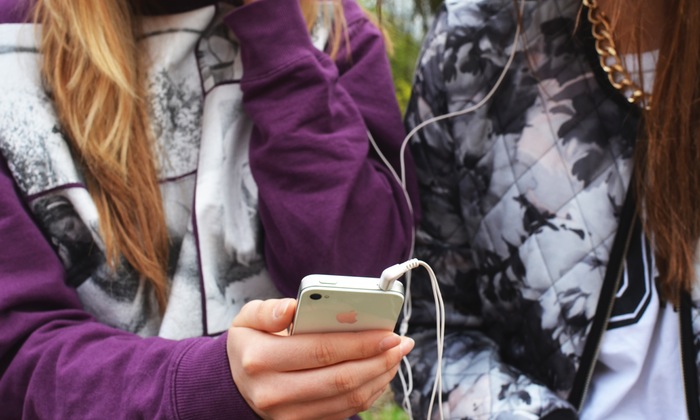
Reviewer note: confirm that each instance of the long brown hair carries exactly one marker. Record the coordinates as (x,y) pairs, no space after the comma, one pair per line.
(93,69)
(667,158)
(668,153)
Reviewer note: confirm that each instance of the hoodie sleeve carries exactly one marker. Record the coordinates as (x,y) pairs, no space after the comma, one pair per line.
(327,204)
(14,11)
(56,362)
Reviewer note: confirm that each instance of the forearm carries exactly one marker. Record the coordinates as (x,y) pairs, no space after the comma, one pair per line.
(58,362)
(325,205)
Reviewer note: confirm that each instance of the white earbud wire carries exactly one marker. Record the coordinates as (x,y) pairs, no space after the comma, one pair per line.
(407,383)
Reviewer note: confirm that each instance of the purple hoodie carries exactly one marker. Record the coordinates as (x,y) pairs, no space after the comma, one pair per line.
(58,362)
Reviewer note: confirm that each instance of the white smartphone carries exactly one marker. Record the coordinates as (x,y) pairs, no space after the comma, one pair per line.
(327,303)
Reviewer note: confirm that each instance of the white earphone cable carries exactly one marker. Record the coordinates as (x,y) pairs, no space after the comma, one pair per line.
(407,382)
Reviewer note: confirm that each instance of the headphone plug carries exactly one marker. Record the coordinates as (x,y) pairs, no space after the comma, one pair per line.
(391,274)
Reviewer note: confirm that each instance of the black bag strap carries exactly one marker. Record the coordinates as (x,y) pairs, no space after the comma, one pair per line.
(688,354)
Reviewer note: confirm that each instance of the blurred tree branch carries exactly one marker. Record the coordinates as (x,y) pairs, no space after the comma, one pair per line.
(405,22)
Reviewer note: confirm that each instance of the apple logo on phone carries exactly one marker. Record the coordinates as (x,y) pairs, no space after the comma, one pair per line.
(349,317)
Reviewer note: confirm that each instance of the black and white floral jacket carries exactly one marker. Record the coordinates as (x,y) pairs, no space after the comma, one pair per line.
(521,200)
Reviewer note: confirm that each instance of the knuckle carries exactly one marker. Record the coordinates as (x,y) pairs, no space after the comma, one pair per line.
(264,401)
(344,382)
(325,354)
(367,349)
(248,311)
(254,307)
(359,400)
(252,364)
(253,303)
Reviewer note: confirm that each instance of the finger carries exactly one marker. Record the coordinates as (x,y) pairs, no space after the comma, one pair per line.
(353,411)
(272,315)
(340,406)
(310,351)
(343,378)
(330,409)
(349,377)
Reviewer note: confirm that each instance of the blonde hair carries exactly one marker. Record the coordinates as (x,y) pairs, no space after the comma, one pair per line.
(92,67)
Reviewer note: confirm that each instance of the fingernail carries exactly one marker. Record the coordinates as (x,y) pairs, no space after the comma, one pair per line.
(281,308)
(407,344)
(389,342)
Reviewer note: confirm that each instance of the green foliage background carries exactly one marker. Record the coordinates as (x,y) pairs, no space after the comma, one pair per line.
(403,62)
(404,22)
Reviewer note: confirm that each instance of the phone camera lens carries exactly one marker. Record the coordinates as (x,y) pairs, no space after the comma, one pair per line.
(315,296)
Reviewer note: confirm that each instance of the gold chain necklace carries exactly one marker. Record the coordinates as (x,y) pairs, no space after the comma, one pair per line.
(610,61)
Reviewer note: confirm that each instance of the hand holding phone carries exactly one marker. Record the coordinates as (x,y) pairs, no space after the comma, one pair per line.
(327,303)
(310,375)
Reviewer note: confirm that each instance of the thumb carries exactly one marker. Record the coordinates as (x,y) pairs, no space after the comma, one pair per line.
(272,315)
